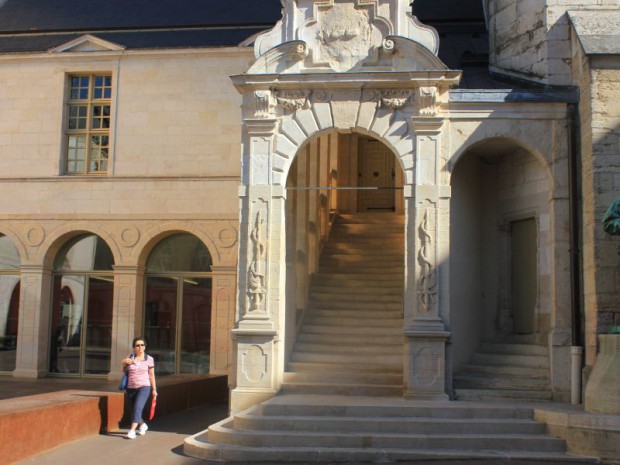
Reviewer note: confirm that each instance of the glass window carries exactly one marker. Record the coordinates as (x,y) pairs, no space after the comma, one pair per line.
(83,292)
(9,303)
(177,313)
(88,124)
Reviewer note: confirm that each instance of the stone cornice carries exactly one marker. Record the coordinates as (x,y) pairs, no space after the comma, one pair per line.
(379,79)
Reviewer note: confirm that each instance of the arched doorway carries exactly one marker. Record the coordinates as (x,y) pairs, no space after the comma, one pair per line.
(82,303)
(177,312)
(345,266)
(500,249)
(9,303)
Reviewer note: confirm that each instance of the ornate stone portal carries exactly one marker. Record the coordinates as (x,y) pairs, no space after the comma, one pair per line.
(311,75)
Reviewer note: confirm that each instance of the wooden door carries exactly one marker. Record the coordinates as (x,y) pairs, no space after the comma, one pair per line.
(376,170)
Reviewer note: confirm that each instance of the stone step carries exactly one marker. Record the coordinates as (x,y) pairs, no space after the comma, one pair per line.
(390,279)
(343,248)
(512,395)
(344,377)
(369,308)
(390,408)
(350,339)
(199,446)
(353,261)
(513,371)
(504,360)
(343,348)
(331,292)
(513,349)
(340,388)
(223,433)
(395,331)
(354,358)
(331,370)
(471,381)
(374,217)
(352,321)
(416,425)
(371,272)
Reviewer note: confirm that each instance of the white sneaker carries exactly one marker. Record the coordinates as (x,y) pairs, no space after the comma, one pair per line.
(143,428)
(131,434)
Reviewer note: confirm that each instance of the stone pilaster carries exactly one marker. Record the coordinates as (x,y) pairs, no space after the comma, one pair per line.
(127,313)
(222,318)
(427,206)
(34,321)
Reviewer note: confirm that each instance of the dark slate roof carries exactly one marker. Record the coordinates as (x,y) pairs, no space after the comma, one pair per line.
(63,15)
(40,25)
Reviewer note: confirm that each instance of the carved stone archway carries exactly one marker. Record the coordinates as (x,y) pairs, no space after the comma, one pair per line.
(309,78)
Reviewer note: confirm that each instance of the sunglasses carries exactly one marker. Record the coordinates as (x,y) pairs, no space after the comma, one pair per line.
(139,345)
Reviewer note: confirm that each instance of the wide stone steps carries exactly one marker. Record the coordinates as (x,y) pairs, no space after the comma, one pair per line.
(342,389)
(350,339)
(337,429)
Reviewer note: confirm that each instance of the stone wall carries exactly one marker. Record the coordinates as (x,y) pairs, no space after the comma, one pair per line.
(599,114)
(530,39)
(174,167)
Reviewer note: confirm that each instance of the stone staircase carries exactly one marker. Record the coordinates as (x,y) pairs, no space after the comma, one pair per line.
(351,339)
(515,371)
(341,401)
(355,429)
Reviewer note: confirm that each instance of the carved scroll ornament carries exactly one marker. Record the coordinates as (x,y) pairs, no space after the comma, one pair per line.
(427,282)
(256,271)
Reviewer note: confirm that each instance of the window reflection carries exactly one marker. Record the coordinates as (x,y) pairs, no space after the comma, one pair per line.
(177,314)
(83,289)
(9,303)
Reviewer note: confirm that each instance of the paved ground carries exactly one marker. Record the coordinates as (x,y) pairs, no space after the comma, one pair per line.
(162,444)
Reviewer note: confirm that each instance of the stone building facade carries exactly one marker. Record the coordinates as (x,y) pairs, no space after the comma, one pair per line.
(122,162)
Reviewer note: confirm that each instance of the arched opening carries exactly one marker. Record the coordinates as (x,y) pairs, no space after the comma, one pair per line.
(177,311)
(500,252)
(345,261)
(82,305)
(9,303)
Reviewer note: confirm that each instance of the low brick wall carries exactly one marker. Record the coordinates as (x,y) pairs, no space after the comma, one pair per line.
(32,424)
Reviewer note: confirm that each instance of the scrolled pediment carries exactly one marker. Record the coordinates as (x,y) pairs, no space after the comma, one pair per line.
(347,36)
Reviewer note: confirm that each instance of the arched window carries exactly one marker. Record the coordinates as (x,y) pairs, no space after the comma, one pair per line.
(177,313)
(9,303)
(82,302)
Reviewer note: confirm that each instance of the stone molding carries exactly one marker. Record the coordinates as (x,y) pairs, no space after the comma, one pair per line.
(130,240)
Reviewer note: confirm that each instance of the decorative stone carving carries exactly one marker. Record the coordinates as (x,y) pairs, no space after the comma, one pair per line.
(345,36)
(388,46)
(130,236)
(256,271)
(263,104)
(35,236)
(395,99)
(293,100)
(227,237)
(254,363)
(427,101)
(427,282)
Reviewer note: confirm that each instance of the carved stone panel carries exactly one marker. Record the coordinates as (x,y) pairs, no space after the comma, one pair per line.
(427,280)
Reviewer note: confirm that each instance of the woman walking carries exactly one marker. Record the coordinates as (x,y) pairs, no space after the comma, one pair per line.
(140,369)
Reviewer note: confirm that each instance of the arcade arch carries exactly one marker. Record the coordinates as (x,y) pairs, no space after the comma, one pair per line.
(501,231)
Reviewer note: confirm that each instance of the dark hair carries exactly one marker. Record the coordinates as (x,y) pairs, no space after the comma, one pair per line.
(136,339)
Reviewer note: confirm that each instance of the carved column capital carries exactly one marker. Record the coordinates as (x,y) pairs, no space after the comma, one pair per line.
(395,99)
(427,101)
